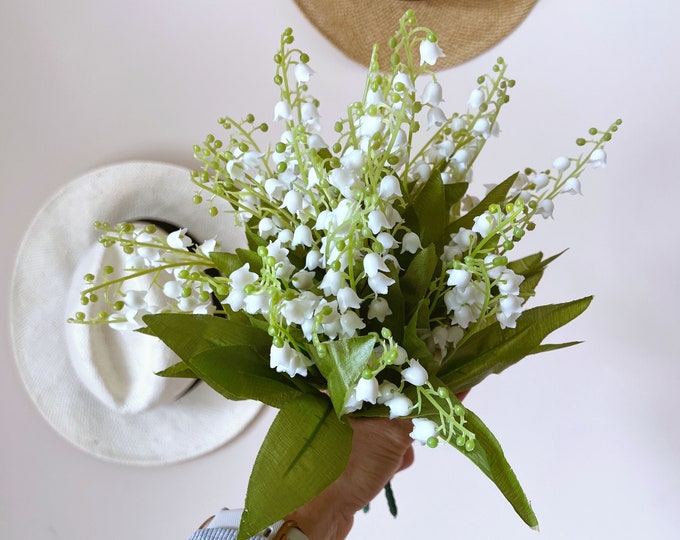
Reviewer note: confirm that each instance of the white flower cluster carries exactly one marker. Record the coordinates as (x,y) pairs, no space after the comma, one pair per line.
(153,272)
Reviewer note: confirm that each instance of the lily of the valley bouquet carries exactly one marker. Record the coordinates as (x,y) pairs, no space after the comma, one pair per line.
(372,284)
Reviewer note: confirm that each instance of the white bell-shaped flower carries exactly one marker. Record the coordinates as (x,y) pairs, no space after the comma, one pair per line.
(430,51)
(432,94)
(598,158)
(415,374)
(423,429)
(399,406)
(367,390)
(379,309)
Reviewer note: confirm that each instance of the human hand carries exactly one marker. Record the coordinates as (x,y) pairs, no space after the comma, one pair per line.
(380,449)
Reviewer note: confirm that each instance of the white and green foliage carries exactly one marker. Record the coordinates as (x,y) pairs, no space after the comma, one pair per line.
(373,284)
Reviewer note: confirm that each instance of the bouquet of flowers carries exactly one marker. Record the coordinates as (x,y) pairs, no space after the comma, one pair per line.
(372,283)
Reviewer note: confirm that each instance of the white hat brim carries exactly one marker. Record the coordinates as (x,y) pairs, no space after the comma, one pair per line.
(195,424)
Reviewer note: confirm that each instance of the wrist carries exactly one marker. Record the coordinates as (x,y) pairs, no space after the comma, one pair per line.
(325,517)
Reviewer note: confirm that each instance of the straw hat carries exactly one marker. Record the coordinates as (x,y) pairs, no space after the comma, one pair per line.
(465,28)
(94,385)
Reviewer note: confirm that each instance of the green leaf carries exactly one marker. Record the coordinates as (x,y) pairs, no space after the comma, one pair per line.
(342,364)
(188,335)
(454,193)
(494,349)
(496,196)
(531,267)
(238,372)
(490,459)
(395,299)
(547,347)
(415,346)
(416,280)
(180,370)
(487,453)
(250,257)
(226,263)
(431,211)
(305,450)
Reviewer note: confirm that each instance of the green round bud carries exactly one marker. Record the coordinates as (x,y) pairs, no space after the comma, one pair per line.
(432,442)
(281,166)
(508,245)
(278,58)
(102,315)
(480,79)
(150,229)
(394,59)
(209,138)
(94,297)
(470,445)
(118,305)
(128,250)
(277,79)
(89,278)
(500,261)
(458,409)
(592,131)
(415,127)
(580,141)
(460,440)
(262,251)
(272,331)
(432,37)
(186,292)
(386,333)
(518,233)
(108,269)
(531,226)
(417,107)
(243,147)
(249,289)
(304,58)
(277,342)
(264,127)
(197,199)
(213,211)
(290,39)
(84,300)
(338,127)
(392,43)
(280,147)
(80,316)
(443,392)
(204,296)
(367,374)
(183,273)
(269,260)
(393,159)
(222,290)
(607,137)
(335,163)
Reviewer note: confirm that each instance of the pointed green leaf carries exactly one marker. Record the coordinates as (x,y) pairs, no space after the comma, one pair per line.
(238,372)
(188,335)
(490,458)
(431,211)
(454,193)
(250,257)
(496,196)
(342,364)
(415,346)
(494,349)
(547,347)
(416,280)
(226,263)
(305,450)
(180,369)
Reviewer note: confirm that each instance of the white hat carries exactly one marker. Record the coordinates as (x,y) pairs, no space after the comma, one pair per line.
(86,380)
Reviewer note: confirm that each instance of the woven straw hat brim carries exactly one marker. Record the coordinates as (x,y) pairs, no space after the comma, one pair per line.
(465,28)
